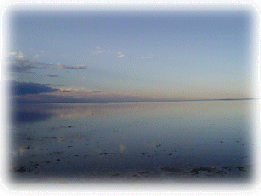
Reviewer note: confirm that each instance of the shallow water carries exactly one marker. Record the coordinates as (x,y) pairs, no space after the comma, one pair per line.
(202,139)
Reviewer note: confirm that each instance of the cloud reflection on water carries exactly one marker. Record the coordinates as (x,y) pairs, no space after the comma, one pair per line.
(26,117)
(28,113)
(133,135)
(122,148)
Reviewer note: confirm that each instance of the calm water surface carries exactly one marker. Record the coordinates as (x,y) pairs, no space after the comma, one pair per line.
(132,140)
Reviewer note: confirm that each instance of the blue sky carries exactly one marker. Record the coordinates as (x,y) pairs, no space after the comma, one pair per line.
(131,55)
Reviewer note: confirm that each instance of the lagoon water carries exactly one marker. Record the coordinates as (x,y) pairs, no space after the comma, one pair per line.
(127,141)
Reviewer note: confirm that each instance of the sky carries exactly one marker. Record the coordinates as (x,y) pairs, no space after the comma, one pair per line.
(111,56)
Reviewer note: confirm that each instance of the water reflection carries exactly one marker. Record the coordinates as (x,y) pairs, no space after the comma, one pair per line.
(27,117)
(122,148)
(36,112)
(74,139)
(25,113)
(20,151)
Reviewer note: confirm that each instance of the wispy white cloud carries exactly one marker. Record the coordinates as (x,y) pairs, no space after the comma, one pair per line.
(99,50)
(120,55)
(79,90)
(96,52)
(21,57)
(20,63)
(37,63)
(78,67)
(82,92)
(13,53)
(62,66)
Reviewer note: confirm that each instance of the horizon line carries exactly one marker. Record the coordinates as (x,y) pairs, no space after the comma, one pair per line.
(157,101)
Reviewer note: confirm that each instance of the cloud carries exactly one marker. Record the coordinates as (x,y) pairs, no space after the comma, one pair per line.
(25,88)
(120,55)
(79,90)
(62,66)
(100,50)
(52,76)
(97,51)
(36,63)
(18,67)
(21,57)
(77,67)
(20,63)
(13,53)
(46,94)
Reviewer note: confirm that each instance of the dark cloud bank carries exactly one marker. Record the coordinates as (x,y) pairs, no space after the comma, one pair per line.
(25,88)
(20,90)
